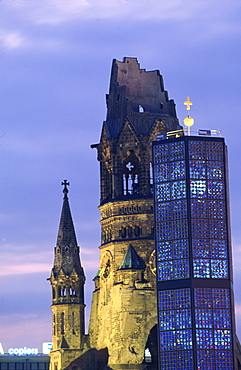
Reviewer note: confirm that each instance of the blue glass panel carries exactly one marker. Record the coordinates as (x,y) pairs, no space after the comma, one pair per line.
(206,360)
(203,297)
(160,153)
(163,211)
(167,320)
(164,251)
(185,360)
(162,192)
(179,209)
(215,170)
(180,229)
(169,360)
(221,298)
(167,340)
(204,318)
(164,230)
(198,189)
(184,339)
(201,268)
(217,209)
(180,269)
(183,298)
(183,319)
(165,270)
(161,172)
(219,269)
(216,189)
(221,319)
(214,151)
(222,339)
(224,360)
(204,338)
(166,299)
(200,228)
(180,249)
(218,248)
(197,150)
(201,248)
(199,208)
(177,170)
(217,229)
(178,190)
(197,169)
(177,151)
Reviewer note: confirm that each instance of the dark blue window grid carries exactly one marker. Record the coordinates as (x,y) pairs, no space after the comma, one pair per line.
(212,324)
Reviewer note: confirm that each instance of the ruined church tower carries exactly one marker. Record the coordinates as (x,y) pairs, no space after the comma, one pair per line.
(123,313)
(67,281)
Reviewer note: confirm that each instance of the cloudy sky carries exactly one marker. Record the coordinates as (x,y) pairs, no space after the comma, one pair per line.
(55,60)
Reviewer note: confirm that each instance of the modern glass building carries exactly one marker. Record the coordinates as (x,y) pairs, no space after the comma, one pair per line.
(193,249)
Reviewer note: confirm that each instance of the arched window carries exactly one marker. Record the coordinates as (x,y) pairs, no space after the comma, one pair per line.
(54,325)
(72,292)
(150,354)
(62,323)
(130,231)
(137,231)
(130,173)
(72,323)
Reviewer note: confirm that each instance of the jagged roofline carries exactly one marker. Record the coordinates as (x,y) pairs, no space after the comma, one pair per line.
(131,88)
(122,78)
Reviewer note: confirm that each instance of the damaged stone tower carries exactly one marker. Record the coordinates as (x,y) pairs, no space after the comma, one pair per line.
(123,313)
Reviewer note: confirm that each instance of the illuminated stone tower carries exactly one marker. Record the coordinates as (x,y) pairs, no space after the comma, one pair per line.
(123,315)
(67,281)
(196,328)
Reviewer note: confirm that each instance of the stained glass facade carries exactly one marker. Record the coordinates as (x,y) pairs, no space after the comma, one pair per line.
(192,248)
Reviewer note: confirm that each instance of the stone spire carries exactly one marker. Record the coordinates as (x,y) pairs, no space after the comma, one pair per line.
(67,250)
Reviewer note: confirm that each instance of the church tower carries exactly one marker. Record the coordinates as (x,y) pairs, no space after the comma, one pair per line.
(123,314)
(67,281)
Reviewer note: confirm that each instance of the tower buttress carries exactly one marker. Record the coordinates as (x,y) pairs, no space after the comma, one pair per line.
(67,280)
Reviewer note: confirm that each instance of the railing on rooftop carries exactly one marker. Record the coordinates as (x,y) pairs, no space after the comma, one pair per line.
(185,132)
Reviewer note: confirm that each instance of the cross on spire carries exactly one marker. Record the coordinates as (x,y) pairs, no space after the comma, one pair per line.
(188,103)
(65,183)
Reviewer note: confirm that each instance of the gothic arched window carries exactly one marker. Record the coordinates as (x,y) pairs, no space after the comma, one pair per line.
(130,173)
(72,323)
(62,322)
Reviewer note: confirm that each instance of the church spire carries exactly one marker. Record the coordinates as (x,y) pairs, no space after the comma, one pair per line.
(67,250)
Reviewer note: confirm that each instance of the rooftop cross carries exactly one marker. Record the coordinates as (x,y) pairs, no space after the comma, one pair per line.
(65,183)
(188,103)
(188,121)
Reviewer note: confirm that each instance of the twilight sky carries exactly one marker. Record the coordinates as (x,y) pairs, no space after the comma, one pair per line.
(55,60)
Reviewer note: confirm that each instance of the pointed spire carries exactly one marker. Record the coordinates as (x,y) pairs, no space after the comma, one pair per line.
(67,250)
(66,234)
(132,260)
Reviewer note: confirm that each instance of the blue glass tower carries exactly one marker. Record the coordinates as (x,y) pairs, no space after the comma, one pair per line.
(193,249)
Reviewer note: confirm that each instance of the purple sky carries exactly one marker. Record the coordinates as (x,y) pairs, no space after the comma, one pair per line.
(55,65)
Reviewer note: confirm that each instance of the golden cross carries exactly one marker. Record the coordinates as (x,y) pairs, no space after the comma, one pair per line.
(188,103)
